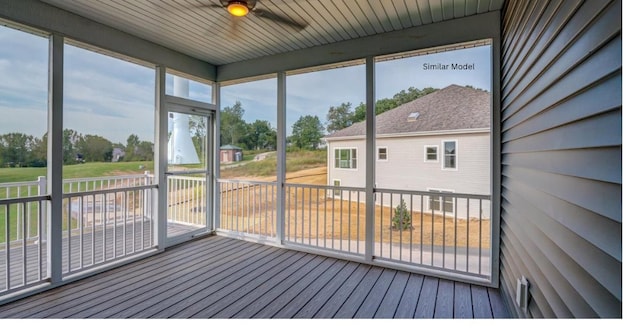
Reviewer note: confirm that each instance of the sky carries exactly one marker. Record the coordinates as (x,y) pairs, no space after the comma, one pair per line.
(114,98)
(313,93)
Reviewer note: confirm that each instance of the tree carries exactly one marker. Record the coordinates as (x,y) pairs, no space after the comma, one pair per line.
(130,150)
(16,149)
(95,148)
(307,132)
(232,126)
(198,127)
(401,217)
(70,139)
(339,117)
(386,104)
(260,135)
(144,151)
(39,152)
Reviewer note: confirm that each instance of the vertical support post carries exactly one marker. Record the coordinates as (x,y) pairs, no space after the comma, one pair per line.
(496,163)
(281,155)
(215,134)
(160,159)
(370,148)
(55,158)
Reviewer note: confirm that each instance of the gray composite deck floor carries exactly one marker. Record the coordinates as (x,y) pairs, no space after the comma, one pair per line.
(219,277)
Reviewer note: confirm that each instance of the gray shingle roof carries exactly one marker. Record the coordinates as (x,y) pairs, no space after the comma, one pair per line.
(453,107)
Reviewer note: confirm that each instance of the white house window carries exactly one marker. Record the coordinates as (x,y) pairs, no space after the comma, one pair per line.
(346,158)
(382,153)
(450,155)
(430,153)
(436,202)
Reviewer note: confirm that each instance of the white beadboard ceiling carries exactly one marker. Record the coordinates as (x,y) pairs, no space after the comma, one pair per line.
(212,35)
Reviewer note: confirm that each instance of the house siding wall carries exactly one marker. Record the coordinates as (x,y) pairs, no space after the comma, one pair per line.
(405,168)
(561,203)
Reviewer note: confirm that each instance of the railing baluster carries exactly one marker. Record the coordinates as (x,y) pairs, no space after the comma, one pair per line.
(24,243)
(105,208)
(7,242)
(421,228)
(480,238)
(317,215)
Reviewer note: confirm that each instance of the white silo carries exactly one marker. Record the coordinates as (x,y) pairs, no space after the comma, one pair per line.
(181,149)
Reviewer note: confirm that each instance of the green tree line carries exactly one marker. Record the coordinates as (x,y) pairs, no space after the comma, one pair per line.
(22,150)
(343,116)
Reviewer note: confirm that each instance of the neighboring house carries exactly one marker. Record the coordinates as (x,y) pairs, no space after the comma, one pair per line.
(230,153)
(117,154)
(437,143)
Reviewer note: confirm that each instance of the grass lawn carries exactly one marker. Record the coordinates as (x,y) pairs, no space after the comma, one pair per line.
(96,169)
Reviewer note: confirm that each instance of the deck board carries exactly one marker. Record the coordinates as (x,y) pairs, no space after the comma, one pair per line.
(219,277)
(389,304)
(427,302)
(350,307)
(325,294)
(462,305)
(407,305)
(444,300)
(374,297)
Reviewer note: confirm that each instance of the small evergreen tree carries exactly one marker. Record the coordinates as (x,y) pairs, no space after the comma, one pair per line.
(401,218)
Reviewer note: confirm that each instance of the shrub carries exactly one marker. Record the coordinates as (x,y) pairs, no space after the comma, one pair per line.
(401,217)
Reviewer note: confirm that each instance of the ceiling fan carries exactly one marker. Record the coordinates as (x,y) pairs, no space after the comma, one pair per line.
(243,8)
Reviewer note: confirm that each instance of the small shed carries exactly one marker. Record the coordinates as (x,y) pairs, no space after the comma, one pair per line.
(230,153)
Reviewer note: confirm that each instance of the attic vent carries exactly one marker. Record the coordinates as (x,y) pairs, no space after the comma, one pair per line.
(413,116)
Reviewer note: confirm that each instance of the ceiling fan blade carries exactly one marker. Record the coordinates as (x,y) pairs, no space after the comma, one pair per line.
(277,18)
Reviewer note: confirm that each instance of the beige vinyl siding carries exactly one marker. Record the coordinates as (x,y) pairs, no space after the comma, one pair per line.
(406,169)
(561,201)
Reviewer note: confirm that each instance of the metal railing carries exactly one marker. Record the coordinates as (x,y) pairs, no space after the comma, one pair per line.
(327,217)
(22,242)
(442,231)
(187,201)
(102,226)
(104,219)
(248,208)
(437,232)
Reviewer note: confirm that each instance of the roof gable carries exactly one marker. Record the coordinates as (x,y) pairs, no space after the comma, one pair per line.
(451,108)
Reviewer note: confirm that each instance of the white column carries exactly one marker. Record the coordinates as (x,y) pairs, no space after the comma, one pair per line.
(370,149)
(160,159)
(215,158)
(55,158)
(282,156)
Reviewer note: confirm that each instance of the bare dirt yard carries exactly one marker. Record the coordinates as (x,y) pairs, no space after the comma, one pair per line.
(317,214)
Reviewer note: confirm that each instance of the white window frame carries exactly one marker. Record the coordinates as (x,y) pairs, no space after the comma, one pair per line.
(441,201)
(386,154)
(444,156)
(425,154)
(351,158)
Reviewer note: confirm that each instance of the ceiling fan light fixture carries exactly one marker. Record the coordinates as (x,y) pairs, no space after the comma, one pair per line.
(237,8)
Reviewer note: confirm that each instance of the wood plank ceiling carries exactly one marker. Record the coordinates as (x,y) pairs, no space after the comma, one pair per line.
(209,33)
